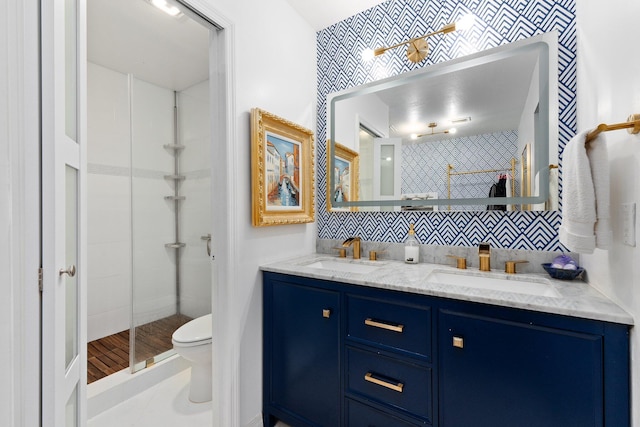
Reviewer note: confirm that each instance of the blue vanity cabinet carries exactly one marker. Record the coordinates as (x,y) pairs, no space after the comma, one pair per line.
(301,352)
(504,367)
(337,354)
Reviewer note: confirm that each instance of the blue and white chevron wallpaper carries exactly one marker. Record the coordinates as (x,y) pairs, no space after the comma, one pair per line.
(496,22)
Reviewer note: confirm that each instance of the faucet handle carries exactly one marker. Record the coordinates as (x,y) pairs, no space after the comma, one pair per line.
(342,252)
(510,266)
(461,262)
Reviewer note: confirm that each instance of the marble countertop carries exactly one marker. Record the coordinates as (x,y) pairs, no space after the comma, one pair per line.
(572,297)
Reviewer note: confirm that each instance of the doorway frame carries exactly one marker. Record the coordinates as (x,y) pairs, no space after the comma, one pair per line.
(25,68)
(224,250)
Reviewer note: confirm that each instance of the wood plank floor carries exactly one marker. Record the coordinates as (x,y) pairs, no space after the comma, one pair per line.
(110,354)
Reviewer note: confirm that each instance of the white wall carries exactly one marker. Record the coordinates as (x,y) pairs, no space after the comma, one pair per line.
(195,211)
(608,92)
(350,113)
(275,69)
(19,216)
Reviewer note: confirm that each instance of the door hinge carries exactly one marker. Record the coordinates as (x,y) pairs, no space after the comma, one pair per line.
(40,279)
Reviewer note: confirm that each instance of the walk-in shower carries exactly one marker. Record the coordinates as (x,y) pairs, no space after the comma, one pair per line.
(149,203)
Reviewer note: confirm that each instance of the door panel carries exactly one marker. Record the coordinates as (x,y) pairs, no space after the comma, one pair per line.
(500,373)
(63,213)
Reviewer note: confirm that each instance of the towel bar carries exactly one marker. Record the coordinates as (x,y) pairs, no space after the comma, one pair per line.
(632,123)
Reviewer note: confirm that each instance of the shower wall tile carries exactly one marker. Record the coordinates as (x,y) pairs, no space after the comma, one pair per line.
(108,203)
(151,126)
(112,317)
(153,264)
(107,117)
(195,269)
(194,129)
(194,132)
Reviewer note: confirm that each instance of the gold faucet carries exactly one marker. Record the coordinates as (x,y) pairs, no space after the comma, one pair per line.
(484,254)
(355,241)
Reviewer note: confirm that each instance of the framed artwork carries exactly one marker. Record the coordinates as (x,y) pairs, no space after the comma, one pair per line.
(282,180)
(345,177)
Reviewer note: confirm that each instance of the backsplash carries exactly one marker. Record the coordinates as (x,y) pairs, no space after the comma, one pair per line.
(497,22)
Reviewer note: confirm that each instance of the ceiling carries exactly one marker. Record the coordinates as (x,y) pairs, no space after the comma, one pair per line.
(132,36)
(492,94)
(323,13)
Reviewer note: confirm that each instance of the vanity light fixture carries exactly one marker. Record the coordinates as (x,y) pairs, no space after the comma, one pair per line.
(418,48)
(167,7)
(432,126)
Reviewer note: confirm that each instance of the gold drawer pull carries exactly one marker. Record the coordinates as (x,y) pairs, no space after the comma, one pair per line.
(326,313)
(382,325)
(458,342)
(395,387)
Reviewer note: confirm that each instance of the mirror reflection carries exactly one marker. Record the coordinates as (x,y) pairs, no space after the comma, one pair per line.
(455,135)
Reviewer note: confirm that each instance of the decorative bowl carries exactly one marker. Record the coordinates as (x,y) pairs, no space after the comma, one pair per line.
(563,274)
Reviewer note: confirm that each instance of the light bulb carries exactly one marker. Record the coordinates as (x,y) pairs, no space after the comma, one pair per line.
(367,54)
(165,7)
(453,130)
(414,136)
(465,23)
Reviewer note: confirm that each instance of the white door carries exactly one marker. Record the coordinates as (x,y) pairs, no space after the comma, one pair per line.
(386,170)
(63,213)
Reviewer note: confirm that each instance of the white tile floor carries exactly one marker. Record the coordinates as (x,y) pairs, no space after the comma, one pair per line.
(164,405)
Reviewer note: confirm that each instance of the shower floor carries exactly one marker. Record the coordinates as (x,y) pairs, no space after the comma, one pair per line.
(108,355)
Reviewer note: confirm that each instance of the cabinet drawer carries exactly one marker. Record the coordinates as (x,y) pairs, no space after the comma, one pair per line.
(393,325)
(360,415)
(390,381)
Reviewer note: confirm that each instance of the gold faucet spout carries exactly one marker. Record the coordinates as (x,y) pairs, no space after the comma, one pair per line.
(355,242)
(484,255)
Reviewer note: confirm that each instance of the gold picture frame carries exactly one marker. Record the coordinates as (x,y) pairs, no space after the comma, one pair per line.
(282,177)
(347,167)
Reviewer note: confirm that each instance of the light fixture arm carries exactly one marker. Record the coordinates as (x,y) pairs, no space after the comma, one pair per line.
(418,47)
(446,29)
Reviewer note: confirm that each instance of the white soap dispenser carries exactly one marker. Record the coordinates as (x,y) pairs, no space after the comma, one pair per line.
(411,247)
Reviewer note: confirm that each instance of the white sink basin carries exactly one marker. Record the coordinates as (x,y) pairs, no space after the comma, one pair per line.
(504,283)
(343,266)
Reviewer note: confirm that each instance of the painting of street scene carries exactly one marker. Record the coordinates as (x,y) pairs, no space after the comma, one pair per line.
(341,180)
(283,174)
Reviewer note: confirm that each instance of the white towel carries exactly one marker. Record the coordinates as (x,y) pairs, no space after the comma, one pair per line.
(585,211)
(508,188)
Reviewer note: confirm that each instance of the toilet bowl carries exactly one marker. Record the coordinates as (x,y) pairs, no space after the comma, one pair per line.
(193,342)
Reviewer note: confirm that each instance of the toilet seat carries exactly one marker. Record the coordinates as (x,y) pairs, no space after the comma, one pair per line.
(193,333)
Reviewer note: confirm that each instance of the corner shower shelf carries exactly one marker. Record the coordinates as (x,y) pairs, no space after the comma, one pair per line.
(175,177)
(176,245)
(173,146)
(174,197)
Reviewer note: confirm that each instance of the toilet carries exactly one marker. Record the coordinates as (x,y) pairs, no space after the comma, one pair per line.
(193,342)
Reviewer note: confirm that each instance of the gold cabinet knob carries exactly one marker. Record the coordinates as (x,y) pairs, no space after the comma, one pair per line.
(326,313)
(510,266)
